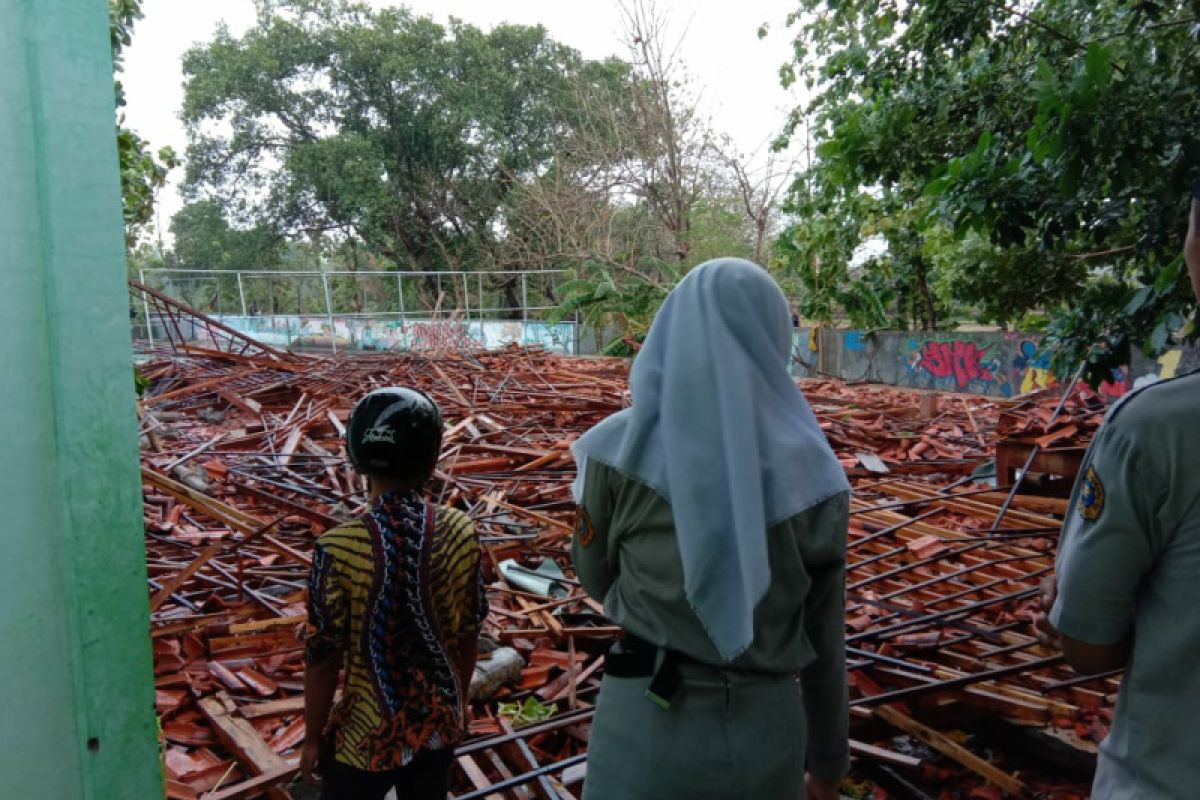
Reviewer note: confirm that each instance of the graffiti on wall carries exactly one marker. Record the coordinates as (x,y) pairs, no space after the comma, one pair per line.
(557,338)
(999,364)
(1117,386)
(441,336)
(1168,367)
(445,335)
(1031,368)
(965,362)
(321,331)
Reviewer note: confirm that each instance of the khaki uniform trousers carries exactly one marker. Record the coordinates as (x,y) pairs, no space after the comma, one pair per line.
(726,736)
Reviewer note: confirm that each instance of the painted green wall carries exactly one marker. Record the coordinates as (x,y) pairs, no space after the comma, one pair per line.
(76,682)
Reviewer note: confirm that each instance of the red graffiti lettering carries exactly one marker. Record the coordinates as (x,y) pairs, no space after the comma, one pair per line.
(962,361)
(1117,387)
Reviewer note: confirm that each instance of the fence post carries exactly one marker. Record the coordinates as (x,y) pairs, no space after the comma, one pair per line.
(466,297)
(400,292)
(524,298)
(481,304)
(146,309)
(329,312)
(242,294)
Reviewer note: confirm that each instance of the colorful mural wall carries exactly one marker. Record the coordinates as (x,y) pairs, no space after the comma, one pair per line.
(999,364)
(374,334)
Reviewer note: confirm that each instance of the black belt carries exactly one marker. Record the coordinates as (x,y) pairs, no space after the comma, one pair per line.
(638,658)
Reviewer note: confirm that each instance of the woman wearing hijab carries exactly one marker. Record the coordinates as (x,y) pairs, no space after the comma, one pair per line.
(712,525)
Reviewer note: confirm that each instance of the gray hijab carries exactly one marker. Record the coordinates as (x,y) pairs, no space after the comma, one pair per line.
(720,431)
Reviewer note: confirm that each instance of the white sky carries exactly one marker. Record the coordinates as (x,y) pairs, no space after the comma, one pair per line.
(735,73)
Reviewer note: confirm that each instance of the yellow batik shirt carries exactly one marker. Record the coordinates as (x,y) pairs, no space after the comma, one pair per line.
(398,595)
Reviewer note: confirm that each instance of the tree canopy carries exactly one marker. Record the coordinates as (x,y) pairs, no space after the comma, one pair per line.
(1015,156)
(329,117)
(444,147)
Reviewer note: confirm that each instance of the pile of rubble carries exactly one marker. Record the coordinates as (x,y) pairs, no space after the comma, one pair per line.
(243,466)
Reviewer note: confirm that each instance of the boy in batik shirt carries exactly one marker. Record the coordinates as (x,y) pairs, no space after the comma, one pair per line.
(395,604)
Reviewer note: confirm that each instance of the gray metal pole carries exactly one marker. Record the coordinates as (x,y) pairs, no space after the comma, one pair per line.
(466,297)
(400,291)
(242,294)
(329,313)
(524,298)
(146,308)
(481,303)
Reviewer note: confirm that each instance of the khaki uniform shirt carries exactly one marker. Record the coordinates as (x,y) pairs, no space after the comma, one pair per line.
(626,555)
(1129,565)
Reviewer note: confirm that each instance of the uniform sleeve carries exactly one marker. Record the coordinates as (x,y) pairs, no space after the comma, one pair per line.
(826,699)
(1110,541)
(328,609)
(590,542)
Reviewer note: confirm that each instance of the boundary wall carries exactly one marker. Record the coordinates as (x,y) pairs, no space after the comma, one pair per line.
(999,364)
(389,332)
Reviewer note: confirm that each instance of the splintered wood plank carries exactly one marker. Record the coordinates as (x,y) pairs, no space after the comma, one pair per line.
(222,512)
(542,518)
(290,553)
(278,708)
(951,749)
(251,407)
(239,790)
(453,387)
(244,742)
(574,774)
(173,584)
(289,446)
(520,749)
(886,756)
(476,776)
(274,708)
(502,769)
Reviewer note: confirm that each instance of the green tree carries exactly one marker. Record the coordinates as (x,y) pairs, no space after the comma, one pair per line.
(143,172)
(204,240)
(1054,139)
(814,257)
(623,303)
(329,118)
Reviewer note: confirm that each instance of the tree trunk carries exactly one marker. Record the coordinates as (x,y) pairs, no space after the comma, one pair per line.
(760,240)
(930,310)
(514,308)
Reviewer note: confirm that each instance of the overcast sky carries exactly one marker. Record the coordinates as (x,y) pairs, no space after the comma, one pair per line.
(735,73)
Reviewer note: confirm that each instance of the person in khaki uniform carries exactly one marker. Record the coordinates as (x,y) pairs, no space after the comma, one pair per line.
(1127,586)
(712,525)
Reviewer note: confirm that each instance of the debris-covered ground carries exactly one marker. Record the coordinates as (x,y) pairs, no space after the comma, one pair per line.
(243,467)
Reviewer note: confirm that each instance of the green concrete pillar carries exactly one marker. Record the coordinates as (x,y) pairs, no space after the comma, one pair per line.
(76,680)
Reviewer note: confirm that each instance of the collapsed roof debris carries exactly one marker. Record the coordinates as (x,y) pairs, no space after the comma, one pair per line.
(243,467)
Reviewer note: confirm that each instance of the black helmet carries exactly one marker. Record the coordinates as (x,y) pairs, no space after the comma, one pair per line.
(395,432)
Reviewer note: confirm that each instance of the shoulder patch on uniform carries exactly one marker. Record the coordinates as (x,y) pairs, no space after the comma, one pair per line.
(1091,496)
(584,529)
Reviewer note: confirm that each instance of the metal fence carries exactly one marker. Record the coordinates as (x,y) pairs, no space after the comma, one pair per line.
(525,294)
(367,310)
